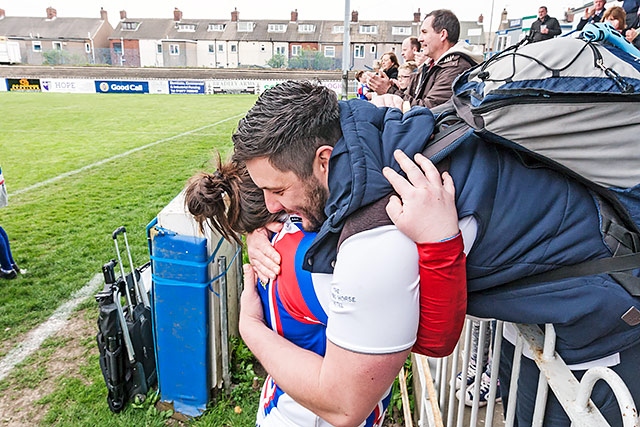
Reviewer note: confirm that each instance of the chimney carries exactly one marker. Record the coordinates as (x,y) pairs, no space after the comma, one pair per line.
(568,15)
(177,15)
(480,19)
(51,13)
(123,15)
(354,16)
(294,16)
(416,16)
(103,14)
(1,13)
(234,15)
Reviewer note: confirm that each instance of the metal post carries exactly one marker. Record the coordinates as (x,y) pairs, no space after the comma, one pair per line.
(224,325)
(491,27)
(346,50)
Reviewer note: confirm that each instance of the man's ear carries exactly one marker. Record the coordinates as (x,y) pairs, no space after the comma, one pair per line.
(321,166)
(444,35)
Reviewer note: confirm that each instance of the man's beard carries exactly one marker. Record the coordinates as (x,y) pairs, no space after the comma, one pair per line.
(315,200)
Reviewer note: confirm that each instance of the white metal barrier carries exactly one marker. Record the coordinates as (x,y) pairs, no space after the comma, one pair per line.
(435,383)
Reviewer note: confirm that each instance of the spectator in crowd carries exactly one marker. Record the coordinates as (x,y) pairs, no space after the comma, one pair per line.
(592,14)
(633,13)
(295,303)
(410,46)
(450,57)
(405,72)
(8,267)
(617,17)
(511,233)
(545,27)
(389,65)
(362,90)
(478,370)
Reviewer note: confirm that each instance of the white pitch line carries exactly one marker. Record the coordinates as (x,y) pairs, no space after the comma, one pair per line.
(53,324)
(117,156)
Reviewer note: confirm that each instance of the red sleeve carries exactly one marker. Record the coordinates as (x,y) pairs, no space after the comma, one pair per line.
(443,296)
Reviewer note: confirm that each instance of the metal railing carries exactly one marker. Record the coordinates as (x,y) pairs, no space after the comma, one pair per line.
(435,383)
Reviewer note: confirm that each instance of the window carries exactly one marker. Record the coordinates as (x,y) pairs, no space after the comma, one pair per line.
(338,29)
(87,47)
(117,48)
(186,28)
(159,48)
(36,46)
(130,26)
(330,51)
(174,49)
(245,26)
(368,29)
(401,31)
(306,28)
(281,50)
(57,45)
(215,27)
(372,49)
(212,48)
(358,51)
(295,49)
(220,47)
(276,28)
(234,48)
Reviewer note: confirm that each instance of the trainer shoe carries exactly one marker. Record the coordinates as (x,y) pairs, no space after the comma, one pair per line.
(471,375)
(11,274)
(19,270)
(485,383)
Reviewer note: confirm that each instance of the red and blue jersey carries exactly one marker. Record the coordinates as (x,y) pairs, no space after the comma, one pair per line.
(293,310)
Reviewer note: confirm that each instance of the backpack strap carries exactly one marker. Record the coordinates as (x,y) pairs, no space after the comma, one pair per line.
(615,266)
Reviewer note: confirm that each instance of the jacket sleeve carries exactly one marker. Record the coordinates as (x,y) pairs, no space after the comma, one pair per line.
(441,90)
(443,296)
(554,27)
(581,24)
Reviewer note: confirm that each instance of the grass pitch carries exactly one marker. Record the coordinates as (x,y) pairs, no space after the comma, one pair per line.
(77,167)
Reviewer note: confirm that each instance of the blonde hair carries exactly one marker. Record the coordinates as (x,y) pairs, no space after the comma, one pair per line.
(412,66)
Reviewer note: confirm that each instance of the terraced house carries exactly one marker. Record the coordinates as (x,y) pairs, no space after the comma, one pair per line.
(218,43)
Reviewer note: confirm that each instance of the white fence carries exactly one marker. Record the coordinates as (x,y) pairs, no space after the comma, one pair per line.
(435,383)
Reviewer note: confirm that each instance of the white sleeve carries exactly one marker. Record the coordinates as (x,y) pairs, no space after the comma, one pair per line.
(375,293)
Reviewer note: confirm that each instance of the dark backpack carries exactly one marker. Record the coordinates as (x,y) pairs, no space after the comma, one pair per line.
(573,104)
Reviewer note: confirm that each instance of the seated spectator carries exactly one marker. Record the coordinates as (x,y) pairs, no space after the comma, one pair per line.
(389,65)
(405,72)
(410,46)
(592,14)
(439,35)
(617,17)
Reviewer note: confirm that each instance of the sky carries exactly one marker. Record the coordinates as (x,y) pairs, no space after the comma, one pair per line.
(466,10)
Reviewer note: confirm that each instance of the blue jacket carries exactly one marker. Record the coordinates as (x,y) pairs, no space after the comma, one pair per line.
(530,219)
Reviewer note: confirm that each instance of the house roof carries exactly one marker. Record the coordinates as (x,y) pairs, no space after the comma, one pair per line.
(43,28)
(157,29)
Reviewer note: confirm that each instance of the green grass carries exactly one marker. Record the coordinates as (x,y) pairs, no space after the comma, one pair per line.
(61,231)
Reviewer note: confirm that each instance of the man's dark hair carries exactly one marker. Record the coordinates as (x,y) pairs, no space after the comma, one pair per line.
(415,43)
(444,19)
(544,7)
(288,123)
